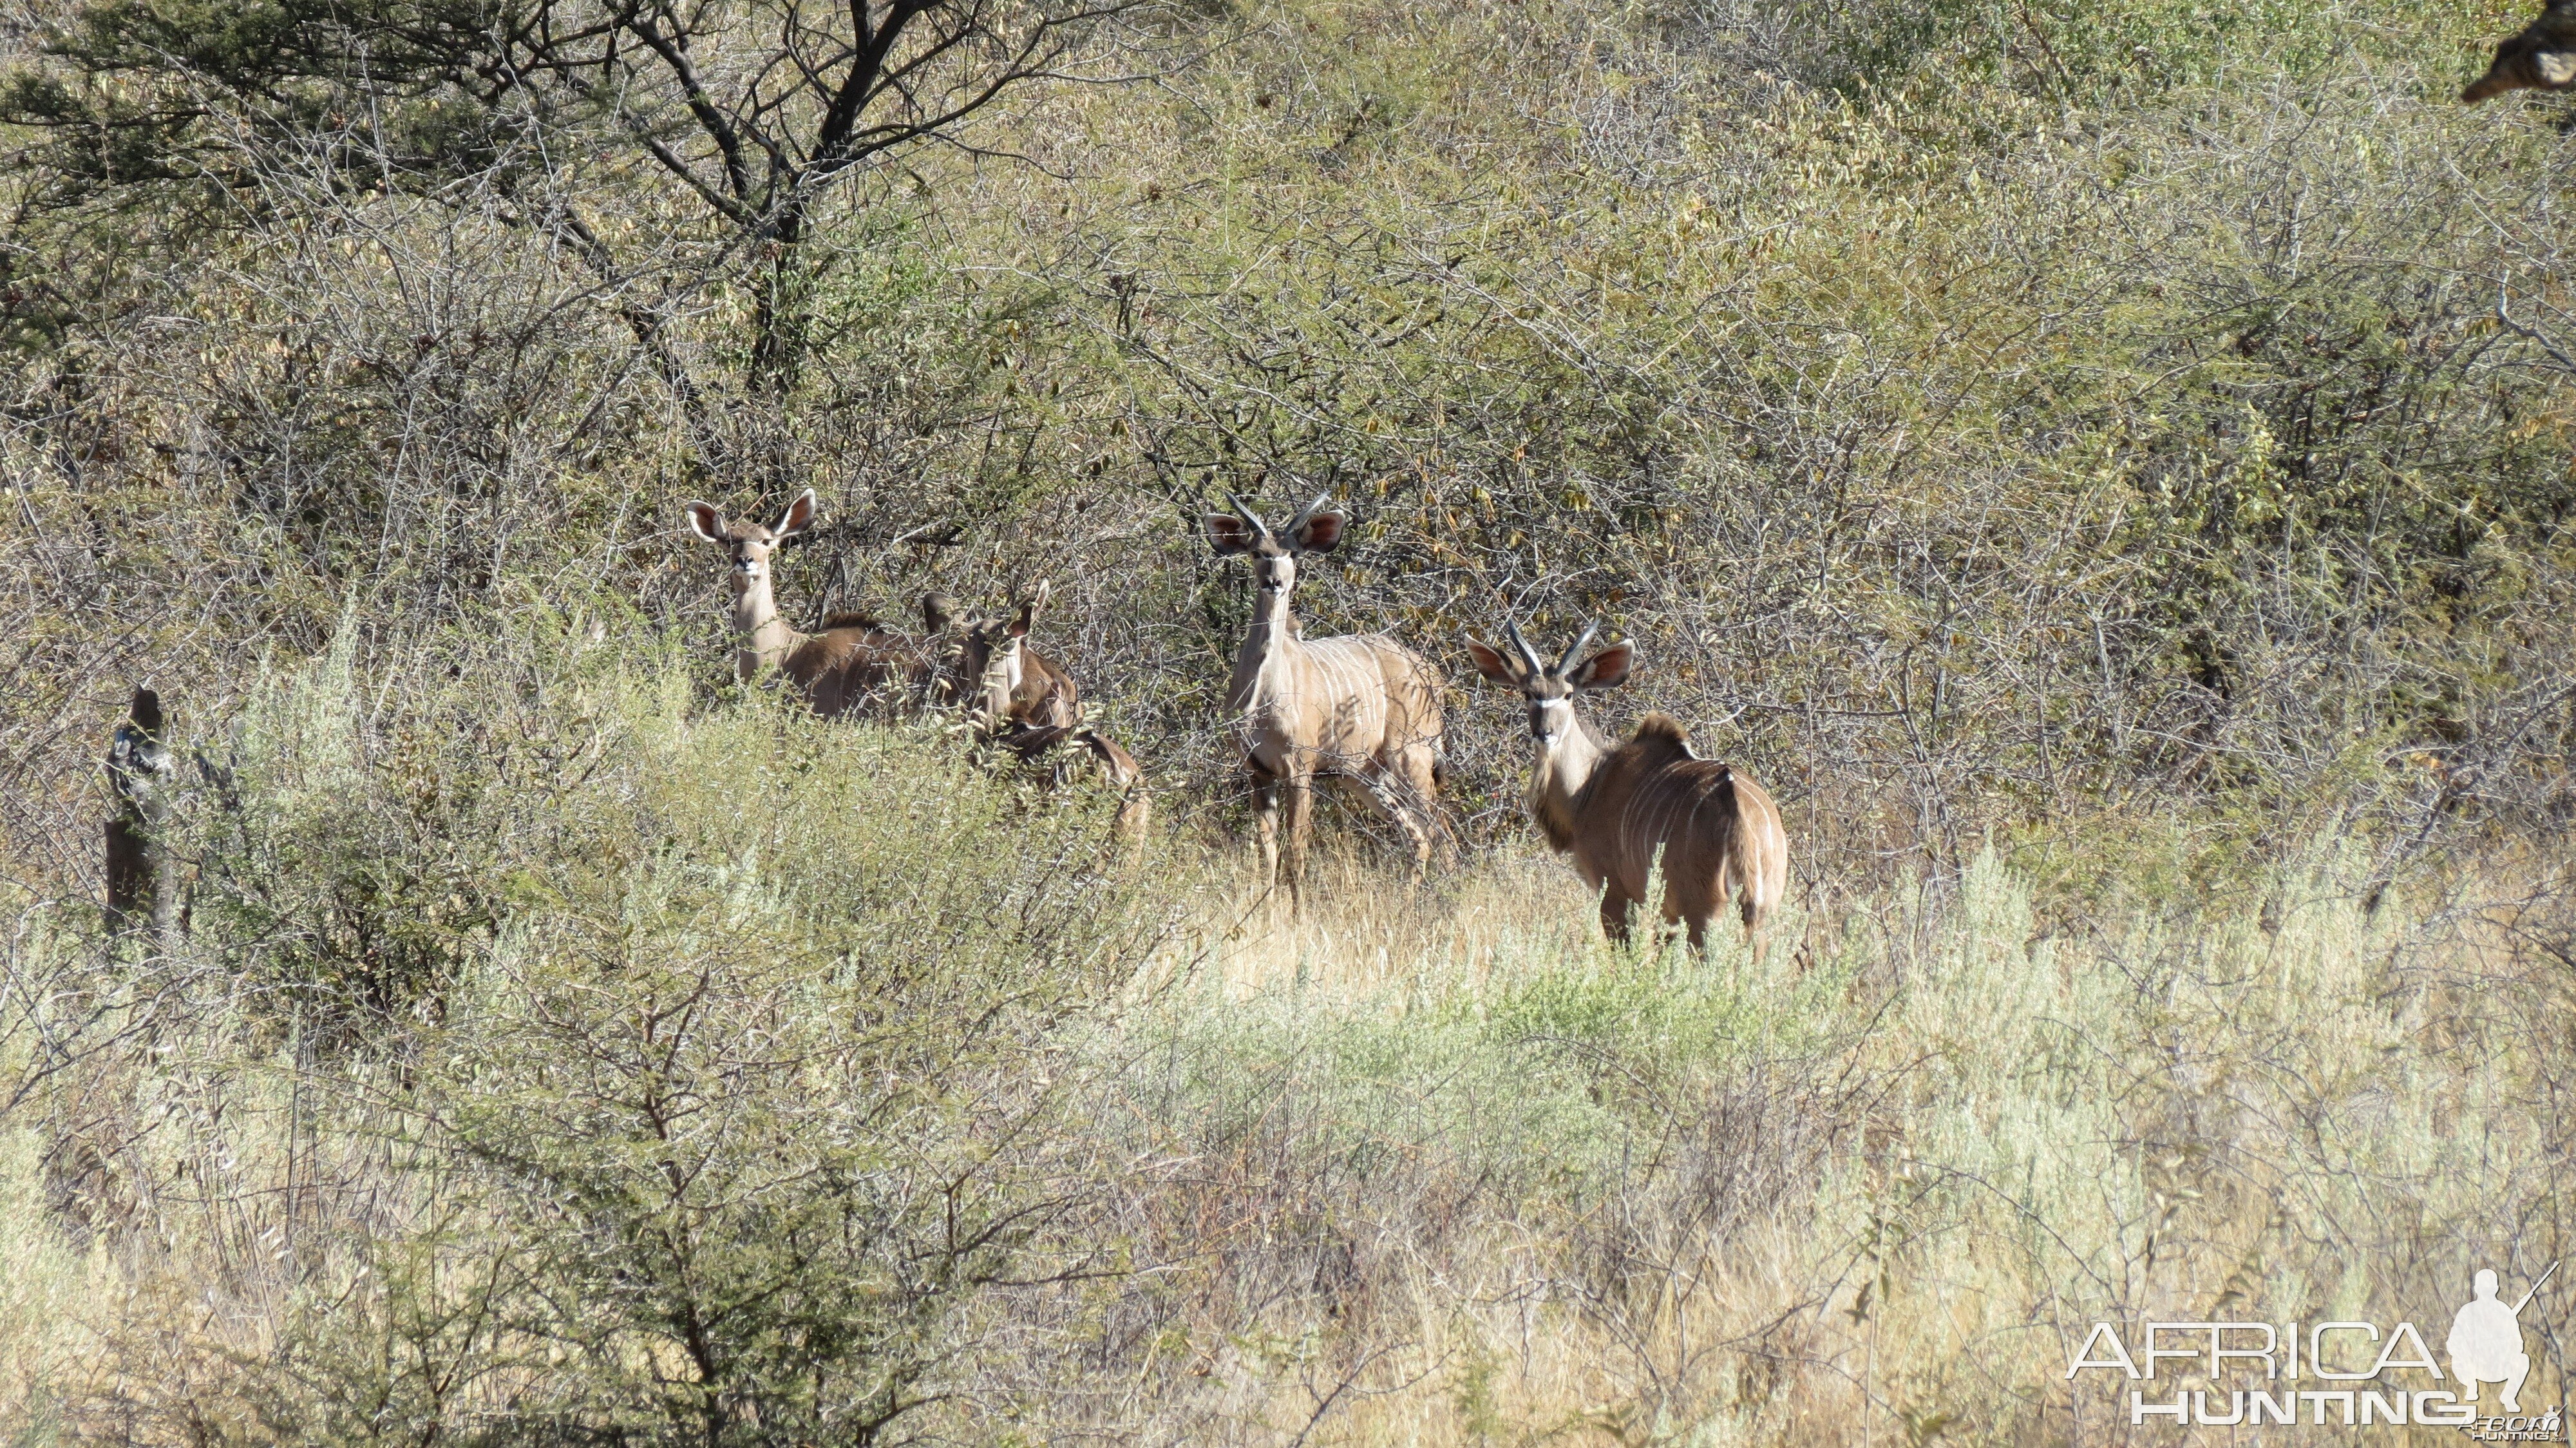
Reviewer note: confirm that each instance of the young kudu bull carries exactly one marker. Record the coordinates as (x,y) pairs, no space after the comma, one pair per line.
(1623,810)
(854,661)
(1362,709)
(1027,705)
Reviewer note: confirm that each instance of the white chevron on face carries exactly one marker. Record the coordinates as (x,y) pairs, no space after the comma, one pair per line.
(1627,811)
(1333,707)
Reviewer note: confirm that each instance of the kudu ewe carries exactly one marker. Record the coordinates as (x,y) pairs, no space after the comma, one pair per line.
(1028,705)
(1362,709)
(1043,692)
(2540,56)
(852,663)
(1623,810)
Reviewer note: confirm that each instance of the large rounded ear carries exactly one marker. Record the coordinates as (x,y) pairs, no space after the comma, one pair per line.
(704,520)
(1028,614)
(1229,533)
(798,517)
(1606,668)
(1320,533)
(938,611)
(1493,663)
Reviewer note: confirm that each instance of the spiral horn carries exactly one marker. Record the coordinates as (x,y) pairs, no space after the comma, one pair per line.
(1536,667)
(1565,665)
(1249,516)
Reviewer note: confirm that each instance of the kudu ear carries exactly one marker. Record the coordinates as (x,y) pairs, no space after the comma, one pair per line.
(1027,617)
(1320,533)
(1229,533)
(798,517)
(704,520)
(1605,669)
(938,611)
(1493,663)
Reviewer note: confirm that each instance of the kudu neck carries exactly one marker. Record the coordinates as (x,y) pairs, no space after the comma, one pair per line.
(763,637)
(1558,777)
(1267,643)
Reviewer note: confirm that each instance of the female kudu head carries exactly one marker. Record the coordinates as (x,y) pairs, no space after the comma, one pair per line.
(989,662)
(749,544)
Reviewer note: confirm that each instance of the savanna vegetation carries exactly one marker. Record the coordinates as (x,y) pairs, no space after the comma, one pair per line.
(2105,470)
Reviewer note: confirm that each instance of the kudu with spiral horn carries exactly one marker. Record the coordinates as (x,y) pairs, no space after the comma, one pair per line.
(1624,811)
(1361,709)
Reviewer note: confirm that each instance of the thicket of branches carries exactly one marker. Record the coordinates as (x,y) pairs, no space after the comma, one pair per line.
(1981,416)
(2112,465)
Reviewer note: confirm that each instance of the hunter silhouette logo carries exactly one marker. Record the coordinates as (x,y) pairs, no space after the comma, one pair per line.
(2486,1341)
(2345,1372)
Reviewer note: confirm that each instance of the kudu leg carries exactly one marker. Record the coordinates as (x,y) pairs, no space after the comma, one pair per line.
(1694,908)
(1297,820)
(1388,795)
(1615,907)
(1679,908)
(1265,823)
(1419,784)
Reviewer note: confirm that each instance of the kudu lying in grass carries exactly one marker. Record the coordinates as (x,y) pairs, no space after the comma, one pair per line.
(854,663)
(1362,709)
(1020,701)
(2540,56)
(1623,811)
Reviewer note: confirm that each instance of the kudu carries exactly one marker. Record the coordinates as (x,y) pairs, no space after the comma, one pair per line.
(1043,692)
(1029,705)
(1623,811)
(2540,56)
(853,663)
(1362,708)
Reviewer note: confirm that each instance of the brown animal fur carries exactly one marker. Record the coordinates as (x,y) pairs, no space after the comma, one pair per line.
(1061,749)
(1031,706)
(1623,811)
(2540,56)
(855,663)
(1043,692)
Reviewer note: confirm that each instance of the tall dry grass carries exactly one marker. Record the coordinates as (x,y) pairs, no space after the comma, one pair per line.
(1433,1164)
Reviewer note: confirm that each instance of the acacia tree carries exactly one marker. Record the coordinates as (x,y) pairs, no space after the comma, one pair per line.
(752,109)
